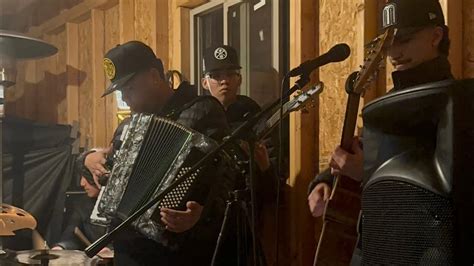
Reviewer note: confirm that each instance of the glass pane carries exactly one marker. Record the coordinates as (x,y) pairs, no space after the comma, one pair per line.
(209,32)
(264,78)
(236,32)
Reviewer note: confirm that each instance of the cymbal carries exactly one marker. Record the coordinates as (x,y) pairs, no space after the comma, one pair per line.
(20,46)
(54,257)
(13,218)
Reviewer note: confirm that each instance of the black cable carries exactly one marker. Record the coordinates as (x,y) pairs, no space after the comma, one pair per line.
(280,169)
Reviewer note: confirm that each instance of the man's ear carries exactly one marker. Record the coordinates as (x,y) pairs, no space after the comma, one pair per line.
(240,79)
(205,83)
(437,36)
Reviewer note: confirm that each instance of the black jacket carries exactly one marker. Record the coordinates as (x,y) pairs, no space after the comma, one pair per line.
(194,247)
(80,218)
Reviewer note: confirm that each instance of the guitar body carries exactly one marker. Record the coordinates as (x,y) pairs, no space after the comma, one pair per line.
(339,235)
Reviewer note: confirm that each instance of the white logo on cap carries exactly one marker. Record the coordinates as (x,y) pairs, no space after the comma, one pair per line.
(432,16)
(220,53)
(389,15)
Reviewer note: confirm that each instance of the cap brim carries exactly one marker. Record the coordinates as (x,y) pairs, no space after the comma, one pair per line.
(224,67)
(402,32)
(117,84)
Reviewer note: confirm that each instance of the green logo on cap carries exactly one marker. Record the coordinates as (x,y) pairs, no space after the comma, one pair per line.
(109,68)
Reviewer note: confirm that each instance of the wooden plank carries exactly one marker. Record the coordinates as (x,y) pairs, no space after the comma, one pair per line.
(179,38)
(72,72)
(304,133)
(61,72)
(98,79)
(112,38)
(69,15)
(468,39)
(85,87)
(144,22)
(160,29)
(453,11)
(190,3)
(127,17)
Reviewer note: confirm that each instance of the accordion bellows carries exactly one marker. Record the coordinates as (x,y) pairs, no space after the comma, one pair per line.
(155,151)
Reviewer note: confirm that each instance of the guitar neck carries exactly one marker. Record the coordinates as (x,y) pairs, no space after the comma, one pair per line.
(263,129)
(350,121)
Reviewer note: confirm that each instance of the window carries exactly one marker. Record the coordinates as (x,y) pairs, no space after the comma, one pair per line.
(258,30)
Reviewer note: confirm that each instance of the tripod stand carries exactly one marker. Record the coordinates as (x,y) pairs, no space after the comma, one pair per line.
(237,216)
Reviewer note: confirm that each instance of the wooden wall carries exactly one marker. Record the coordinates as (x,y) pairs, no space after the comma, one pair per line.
(67,86)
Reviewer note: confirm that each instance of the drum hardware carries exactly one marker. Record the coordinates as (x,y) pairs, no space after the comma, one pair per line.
(15,46)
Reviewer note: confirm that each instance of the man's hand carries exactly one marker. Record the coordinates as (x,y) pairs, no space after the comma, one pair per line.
(180,221)
(317,199)
(95,163)
(348,164)
(260,154)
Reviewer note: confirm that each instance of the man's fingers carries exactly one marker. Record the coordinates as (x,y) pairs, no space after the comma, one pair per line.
(326,193)
(170,226)
(101,168)
(169,219)
(192,205)
(96,180)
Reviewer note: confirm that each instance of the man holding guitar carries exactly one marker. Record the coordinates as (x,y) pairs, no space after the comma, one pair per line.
(222,80)
(419,54)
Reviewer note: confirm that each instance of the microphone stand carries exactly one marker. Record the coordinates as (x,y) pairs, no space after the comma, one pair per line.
(238,133)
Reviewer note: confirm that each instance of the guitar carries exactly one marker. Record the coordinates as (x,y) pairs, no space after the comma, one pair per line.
(339,232)
(299,102)
(267,124)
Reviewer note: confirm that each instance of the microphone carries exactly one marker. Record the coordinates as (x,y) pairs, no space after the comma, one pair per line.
(337,53)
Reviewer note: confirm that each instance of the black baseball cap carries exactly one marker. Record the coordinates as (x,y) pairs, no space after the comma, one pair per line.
(220,57)
(409,16)
(123,61)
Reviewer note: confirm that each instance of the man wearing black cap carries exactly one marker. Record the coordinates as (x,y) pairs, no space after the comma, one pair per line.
(419,54)
(134,70)
(222,80)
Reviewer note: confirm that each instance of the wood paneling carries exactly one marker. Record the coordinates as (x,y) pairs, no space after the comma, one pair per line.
(61,80)
(72,70)
(304,132)
(468,38)
(98,78)
(179,39)
(127,17)
(86,99)
(111,39)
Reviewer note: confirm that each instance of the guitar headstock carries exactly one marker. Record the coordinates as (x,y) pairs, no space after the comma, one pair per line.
(300,101)
(372,60)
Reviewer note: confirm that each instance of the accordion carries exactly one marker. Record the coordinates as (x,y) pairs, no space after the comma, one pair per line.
(154,152)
